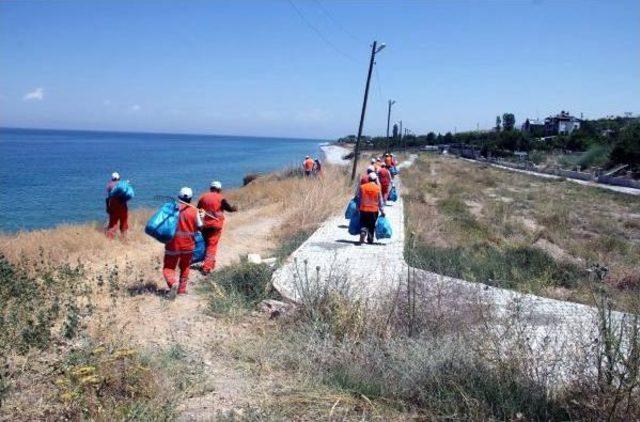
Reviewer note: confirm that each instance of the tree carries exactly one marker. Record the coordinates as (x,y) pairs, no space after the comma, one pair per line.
(627,149)
(431,138)
(508,121)
(498,122)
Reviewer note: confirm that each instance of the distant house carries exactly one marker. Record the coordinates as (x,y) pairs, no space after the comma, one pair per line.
(534,127)
(561,124)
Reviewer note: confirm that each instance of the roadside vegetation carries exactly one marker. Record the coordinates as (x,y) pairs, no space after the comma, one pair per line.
(89,336)
(551,238)
(416,356)
(600,143)
(79,334)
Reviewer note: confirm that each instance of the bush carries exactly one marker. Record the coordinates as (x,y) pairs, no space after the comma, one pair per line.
(237,288)
(509,266)
(595,156)
(30,306)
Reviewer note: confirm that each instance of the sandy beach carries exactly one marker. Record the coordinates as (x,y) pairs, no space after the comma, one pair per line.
(334,153)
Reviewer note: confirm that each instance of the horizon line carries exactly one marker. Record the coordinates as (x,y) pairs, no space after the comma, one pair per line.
(162,133)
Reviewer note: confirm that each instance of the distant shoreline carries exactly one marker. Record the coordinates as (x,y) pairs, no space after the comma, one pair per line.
(333,154)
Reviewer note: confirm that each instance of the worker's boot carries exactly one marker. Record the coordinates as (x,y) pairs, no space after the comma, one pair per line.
(363,234)
(370,238)
(182,289)
(173,290)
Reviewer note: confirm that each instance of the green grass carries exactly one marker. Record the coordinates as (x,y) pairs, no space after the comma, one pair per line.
(508,267)
(235,289)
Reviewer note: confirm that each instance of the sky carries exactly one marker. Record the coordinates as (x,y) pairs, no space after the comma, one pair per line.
(298,68)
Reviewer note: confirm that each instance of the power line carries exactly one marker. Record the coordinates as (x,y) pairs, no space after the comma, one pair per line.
(337,23)
(320,34)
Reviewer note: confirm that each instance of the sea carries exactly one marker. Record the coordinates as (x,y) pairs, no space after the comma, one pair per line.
(53,177)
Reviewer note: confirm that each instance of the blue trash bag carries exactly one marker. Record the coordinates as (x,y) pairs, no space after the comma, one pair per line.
(394,171)
(199,251)
(351,208)
(354,224)
(163,224)
(123,190)
(393,195)
(383,228)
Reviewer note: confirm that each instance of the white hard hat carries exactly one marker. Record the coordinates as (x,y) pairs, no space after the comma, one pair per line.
(370,169)
(115,176)
(216,184)
(306,156)
(373,176)
(185,193)
(373,160)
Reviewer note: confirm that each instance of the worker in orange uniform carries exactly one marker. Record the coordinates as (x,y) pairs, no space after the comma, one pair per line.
(307,165)
(384,176)
(179,250)
(371,203)
(388,160)
(116,209)
(214,204)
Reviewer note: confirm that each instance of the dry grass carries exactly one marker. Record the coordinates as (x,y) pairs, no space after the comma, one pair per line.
(517,231)
(97,302)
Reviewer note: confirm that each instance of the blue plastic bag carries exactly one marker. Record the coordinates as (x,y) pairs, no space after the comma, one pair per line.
(123,190)
(200,249)
(393,195)
(352,207)
(163,224)
(383,228)
(354,224)
(394,171)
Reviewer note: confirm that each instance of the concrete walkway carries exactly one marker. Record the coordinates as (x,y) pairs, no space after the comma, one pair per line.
(557,331)
(330,258)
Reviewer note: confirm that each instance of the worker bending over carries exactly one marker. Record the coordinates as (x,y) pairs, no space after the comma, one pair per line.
(371,203)
(214,204)
(116,209)
(179,250)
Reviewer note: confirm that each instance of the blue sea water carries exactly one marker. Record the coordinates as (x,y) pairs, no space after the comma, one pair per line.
(50,177)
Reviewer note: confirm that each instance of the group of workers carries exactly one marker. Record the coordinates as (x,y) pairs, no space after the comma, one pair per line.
(207,217)
(311,167)
(372,193)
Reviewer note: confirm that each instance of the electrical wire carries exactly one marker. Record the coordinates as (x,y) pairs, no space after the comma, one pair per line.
(337,23)
(320,34)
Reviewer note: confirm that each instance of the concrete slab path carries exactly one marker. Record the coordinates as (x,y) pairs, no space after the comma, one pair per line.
(557,330)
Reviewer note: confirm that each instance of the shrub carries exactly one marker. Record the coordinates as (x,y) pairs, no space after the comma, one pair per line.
(508,266)
(237,288)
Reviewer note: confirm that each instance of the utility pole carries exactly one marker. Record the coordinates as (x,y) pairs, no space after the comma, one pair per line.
(391,102)
(356,153)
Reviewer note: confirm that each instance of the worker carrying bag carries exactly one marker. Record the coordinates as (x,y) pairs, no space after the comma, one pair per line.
(163,224)
(383,228)
(393,195)
(199,250)
(122,190)
(352,207)
(354,223)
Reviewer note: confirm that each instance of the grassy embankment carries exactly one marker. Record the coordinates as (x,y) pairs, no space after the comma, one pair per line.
(334,358)
(79,340)
(520,232)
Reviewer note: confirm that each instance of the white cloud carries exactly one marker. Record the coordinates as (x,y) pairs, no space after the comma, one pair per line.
(35,95)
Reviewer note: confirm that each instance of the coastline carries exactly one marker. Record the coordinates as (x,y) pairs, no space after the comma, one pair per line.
(333,154)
